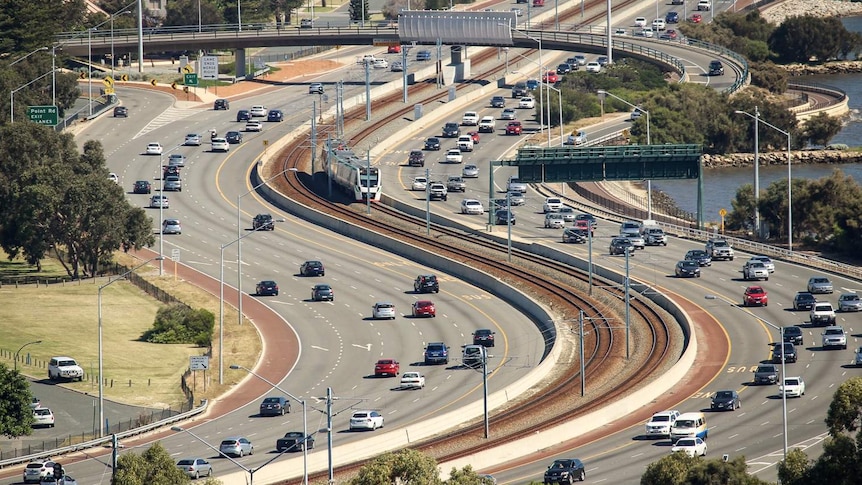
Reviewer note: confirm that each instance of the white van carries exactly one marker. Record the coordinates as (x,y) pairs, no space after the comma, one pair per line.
(689,425)
(473,355)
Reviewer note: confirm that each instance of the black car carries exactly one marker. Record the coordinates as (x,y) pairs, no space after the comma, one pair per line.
(121,111)
(220,104)
(503,217)
(573,235)
(725,401)
(262,222)
(275,115)
(426,283)
(267,288)
(564,68)
(803,301)
(565,471)
(519,90)
(233,137)
(687,269)
(498,102)
(621,245)
(292,441)
(436,353)
(451,130)
(168,170)
(716,68)
(416,158)
(793,335)
(700,256)
(243,115)
(274,406)
(789,353)
(322,292)
(142,187)
(432,143)
(312,268)
(766,374)
(483,336)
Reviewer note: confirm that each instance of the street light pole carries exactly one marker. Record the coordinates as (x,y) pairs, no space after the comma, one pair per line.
(541,69)
(22,348)
(90,69)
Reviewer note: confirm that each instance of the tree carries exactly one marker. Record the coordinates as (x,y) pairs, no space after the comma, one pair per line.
(411,467)
(359,11)
(821,128)
(153,467)
(391,8)
(29,25)
(189,12)
(16,417)
(845,410)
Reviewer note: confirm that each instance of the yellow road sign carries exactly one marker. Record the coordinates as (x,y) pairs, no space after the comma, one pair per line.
(722,212)
(153,82)
(83,75)
(124,77)
(188,69)
(173,85)
(109,91)
(108,81)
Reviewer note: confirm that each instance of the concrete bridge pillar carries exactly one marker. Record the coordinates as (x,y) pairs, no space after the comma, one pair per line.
(240,64)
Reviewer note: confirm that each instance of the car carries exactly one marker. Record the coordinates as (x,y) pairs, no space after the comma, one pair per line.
(236,446)
(583,225)
(121,111)
(383,311)
(426,283)
(306,23)
(470,171)
(483,337)
(380,64)
(432,143)
(420,183)
(473,355)
(219,145)
(519,90)
(582,59)
(563,68)
(755,296)
(243,115)
(233,137)
(690,446)
(552,204)
(474,135)
(554,221)
(312,268)
(412,380)
(436,353)
(716,68)
(172,183)
(803,301)
(834,337)
(266,288)
(660,424)
(393,49)
(472,206)
(822,313)
(849,302)
(577,138)
(454,156)
(470,118)
(293,441)
(527,102)
(387,367)
(316,88)
(725,400)
(154,148)
(274,406)
(766,374)
(787,348)
(793,334)
(695,18)
(258,111)
(142,187)
(177,160)
(755,270)
(620,245)
(221,104)
(416,158)
(700,256)
(498,102)
(451,130)
(64,368)
(171,226)
(368,420)
(487,124)
(43,417)
(669,34)
(195,468)
(591,219)
(574,235)
(508,114)
(550,77)
(568,213)
(396,66)
(465,143)
(792,387)
(819,284)
(671,17)
(170,170)
(858,360)
(619,31)
(253,125)
(603,60)
(517,11)
(35,403)
(262,222)
(504,217)
(516,198)
(594,66)
(514,128)
(438,191)
(640,21)
(423,55)
(647,32)
(36,470)
(322,292)
(704,5)
(424,308)
(275,115)
(687,269)
(565,471)
(658,24)
(160,201)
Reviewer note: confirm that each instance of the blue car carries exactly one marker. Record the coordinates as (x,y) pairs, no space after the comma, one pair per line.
(423,56)
(672,18)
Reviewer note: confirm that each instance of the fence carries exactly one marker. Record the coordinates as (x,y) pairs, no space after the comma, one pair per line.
(663,210)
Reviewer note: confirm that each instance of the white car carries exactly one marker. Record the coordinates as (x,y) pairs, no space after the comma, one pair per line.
(192,139)
(658,24)
(553,204)
(114,177)
(487,124)
(454,156)
(383,310)
(568,213)
(704,5)
(792,387)
(594,66)
(646,32)
(470,118)
(396,66)
(640,22)
(366,420)
(253,125)
(770,266)
(220,145)
(472,206)
(258,111)
(160,201)
(661,423)
(154,148)
(380,64)
(412,380)
(465,143)
(690,446)
(43,417)
(420,183)
(35,471)
(527,102)
(554,220)
(65,368)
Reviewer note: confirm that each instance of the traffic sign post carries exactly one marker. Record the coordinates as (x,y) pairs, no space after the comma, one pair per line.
(196,363)
(722,212)
(43,115)
(190,79)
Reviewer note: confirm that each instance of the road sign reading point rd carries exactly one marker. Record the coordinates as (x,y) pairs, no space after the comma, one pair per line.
(43,115)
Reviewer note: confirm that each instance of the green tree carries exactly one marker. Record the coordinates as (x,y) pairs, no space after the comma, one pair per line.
(821,128)
(359,11)
(669,470)
(807,38)
(16,417)
(153,467)
(411,467)
(391,8)
(30,25)
(186,12)
(251,11)
(845,410)
(795,468)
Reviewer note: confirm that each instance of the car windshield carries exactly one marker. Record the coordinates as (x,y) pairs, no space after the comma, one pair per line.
(849,297)
(723,395)
(685,423)
(819,280)
(834,332)
(660,418)
(791,382)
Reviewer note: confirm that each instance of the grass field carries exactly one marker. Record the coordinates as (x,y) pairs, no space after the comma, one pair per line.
(65,319)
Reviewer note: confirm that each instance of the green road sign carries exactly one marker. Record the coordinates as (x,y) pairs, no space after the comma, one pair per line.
(190,79)
(44,115)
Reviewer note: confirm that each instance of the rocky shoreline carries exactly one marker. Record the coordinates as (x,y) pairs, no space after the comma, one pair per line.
(777,12)
(806,157)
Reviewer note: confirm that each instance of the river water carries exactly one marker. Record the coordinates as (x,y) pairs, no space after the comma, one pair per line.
(720,184)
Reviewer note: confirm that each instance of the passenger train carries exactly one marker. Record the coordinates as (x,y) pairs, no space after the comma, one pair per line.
(351,173)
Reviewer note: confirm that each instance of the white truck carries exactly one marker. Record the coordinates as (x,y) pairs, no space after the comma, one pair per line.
(719,248)
(653,234)
(822,313)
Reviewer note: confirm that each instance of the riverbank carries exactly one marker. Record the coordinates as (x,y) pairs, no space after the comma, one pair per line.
(778,12)
(805,157)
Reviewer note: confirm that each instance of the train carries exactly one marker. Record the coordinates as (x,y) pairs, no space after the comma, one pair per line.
(351,173)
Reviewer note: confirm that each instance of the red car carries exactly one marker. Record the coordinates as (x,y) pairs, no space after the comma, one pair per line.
(394,49)
(513,128)
(696,18)
(424,308)
(584,225)
(550,77)
(474,135)
(755,296)
(387,367)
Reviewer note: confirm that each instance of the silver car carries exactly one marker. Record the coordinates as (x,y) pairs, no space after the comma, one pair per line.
(637,241)
(858,357)
(849,302)
(819,284)
(470,171)
(236,446)
(195,467)
(159,201)
(383,310)
(516,198)
(172,226)
(766,262)
(568,213)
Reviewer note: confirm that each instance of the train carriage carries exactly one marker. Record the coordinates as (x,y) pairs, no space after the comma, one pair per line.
(351,173)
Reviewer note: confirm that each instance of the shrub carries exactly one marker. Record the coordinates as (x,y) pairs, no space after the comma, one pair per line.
(179,324)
